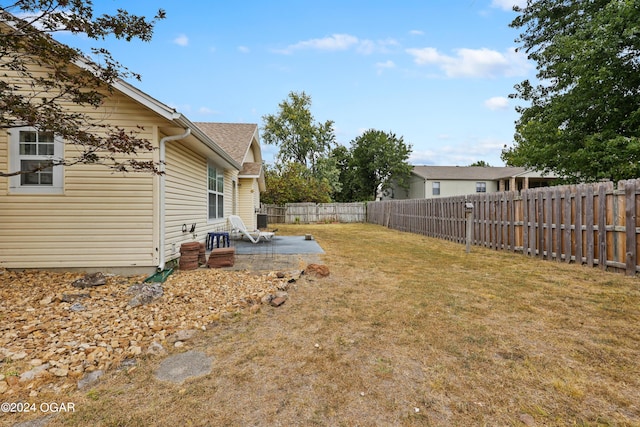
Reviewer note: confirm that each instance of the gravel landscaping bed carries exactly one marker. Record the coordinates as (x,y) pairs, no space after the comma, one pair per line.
(52,333)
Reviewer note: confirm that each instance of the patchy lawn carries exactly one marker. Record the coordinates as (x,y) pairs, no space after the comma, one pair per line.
(406,330)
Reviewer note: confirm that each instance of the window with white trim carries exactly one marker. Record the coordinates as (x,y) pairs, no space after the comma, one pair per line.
(481,187)
(435,188)
(30,151)
(215,188)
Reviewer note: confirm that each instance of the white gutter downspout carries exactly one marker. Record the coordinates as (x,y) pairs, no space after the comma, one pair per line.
(161,199)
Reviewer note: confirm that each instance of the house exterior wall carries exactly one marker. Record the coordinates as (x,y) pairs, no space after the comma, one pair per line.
(449,188)
(186,200)
(108,221)
(102,219)
(248,202)
(250,157)
(419,188)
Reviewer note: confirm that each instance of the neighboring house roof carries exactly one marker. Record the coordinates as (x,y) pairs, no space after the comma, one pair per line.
(467,172)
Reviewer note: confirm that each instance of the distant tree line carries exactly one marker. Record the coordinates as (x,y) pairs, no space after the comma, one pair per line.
(312,167)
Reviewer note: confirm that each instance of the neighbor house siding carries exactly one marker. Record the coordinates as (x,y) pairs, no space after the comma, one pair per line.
(449,188)
(102,219)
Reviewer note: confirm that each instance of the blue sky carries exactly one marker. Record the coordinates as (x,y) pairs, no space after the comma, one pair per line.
(437,73)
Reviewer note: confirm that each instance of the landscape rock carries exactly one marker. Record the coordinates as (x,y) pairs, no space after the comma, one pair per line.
(90,379)
(76,306)
(527,420)
(90,281)
(77,343)
(278,301)
(156,349)
(3,386)
(34,373)
(46,300)
(18,356)
(176,369)
(182,335)
(144,293)
(73,297)
(317,270)
(59,372)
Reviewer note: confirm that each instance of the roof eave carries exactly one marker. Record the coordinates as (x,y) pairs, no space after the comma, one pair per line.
(175,116)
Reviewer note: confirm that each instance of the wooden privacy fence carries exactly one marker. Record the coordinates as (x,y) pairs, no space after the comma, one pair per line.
(593,224)
(306,213)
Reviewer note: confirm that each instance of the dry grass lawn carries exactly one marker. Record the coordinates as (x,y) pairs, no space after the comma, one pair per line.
(406,330)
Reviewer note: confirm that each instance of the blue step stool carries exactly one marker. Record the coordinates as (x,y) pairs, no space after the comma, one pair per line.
(219,239)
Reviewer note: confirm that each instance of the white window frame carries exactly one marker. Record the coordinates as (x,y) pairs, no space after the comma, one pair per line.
(481,187)
(217,192)
(16,186)
(435,188)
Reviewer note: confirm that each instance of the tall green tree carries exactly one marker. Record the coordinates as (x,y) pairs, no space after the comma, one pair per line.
(293,183)
(343,159)
(53,98)
(378,160)
(582,121)
(298,137)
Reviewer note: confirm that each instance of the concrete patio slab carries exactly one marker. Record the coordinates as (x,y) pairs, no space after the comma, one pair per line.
(278,245)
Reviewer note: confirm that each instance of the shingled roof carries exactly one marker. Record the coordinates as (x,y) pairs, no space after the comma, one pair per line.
(467,172)
(234,138)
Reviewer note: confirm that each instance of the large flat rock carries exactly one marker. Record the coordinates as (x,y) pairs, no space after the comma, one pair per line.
(176,369)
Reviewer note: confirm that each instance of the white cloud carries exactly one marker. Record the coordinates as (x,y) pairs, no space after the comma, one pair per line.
(497,103)
(473,62)
(207,111)
(508,4)
(243,49)
(181,40)
(381,66)
(339,42)
(416,32)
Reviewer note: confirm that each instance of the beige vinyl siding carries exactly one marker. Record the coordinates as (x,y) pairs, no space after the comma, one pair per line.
(229,177)
(186,198)
(105,225)
(248,191)
(102,219)
(449,188)
(249,157)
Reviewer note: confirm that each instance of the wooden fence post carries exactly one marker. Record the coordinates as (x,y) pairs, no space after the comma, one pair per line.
(468,207)
(630,226)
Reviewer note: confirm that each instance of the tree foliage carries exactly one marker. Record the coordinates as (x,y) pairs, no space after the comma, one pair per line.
(377,160)
(298,137)
(481,163)
(294,183)
(53,100)
(583,121)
